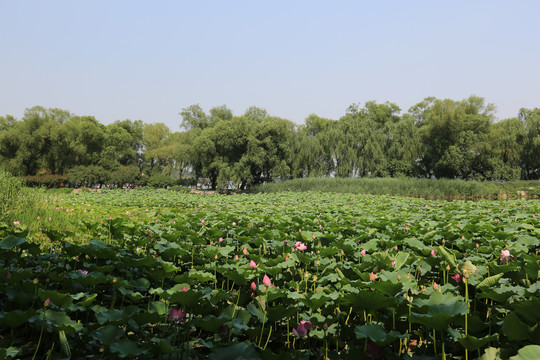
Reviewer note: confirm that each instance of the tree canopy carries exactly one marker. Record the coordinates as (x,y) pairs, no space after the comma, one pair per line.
(440,138)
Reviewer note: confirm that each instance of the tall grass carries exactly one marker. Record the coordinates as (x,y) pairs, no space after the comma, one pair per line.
(15,198)
(441,188)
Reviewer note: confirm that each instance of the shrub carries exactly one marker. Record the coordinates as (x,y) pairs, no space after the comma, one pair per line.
(160,181)
(46,180)
(11,189)
(125,175)
(88,175)
(180,189)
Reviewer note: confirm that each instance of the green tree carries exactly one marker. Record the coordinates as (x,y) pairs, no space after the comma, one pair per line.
(453,135)
(193,117)
(531,147)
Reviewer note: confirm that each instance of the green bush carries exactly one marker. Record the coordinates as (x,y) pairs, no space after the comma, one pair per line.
(160,181)
(11,188)
(125,175)
(180,189)
(442,188)
(47,180)
(88,175)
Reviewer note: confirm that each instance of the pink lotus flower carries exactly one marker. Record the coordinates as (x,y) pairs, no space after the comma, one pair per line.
(127,212)
(435,286)
(202,221)
(456,278)
(16,223)
(235,257)
(363,252)
(220,239)
(234,224)
(372,276)
(300,246)
(84,272)
(302,329)
(177,315)
(47,302)
(184,289)
(266,281)
(505,255)
(253,286)
(245,251)
(393,263)
(253,265)
(433,253)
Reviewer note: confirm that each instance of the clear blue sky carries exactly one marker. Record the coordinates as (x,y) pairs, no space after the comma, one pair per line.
(149,59)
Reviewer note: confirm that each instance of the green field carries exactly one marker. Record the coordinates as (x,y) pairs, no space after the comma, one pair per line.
(449,189)
(291,275)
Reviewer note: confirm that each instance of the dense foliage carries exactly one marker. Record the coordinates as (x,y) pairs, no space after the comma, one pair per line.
(435,138)
(405,186)
(160,274)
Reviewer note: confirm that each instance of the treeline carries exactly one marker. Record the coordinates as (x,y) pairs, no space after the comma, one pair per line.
(435,138)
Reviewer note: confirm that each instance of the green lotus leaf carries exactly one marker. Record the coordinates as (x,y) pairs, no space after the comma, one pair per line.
(114,316)
(10,241)
(280,312)
(127,348)
(472,343)
(417,245)
(107,334)
(185,298)
(528,310)
(158,307)
(490,281)
(141,284)
(163,346)
(387,287)
(514,328)
(238,276)
(210,323)
(401,259)
(448,255)
(368,300)
(201,275)
(527,353)
(256,311)
(61,321)
(57,298)
(88,301)
(9,352)
(491,353)
(374,332)
(243,351)
(147,318)
(16,318)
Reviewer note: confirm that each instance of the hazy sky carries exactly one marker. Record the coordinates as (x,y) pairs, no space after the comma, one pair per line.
(149,59)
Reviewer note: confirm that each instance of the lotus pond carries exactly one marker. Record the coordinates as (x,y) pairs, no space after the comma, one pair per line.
(161,275)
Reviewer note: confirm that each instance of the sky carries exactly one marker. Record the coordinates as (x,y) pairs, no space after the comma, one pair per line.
(147,60)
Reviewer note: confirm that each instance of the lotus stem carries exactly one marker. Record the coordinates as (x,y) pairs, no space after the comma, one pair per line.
(434,343)
(262,329)
(39,342)
(268,338)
